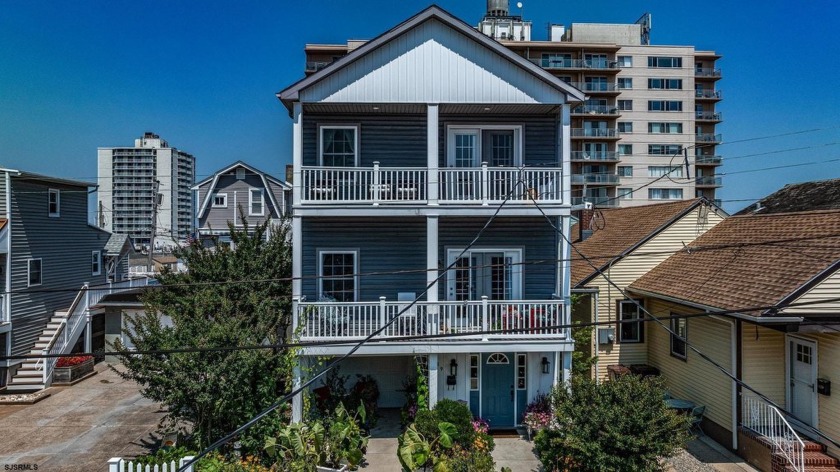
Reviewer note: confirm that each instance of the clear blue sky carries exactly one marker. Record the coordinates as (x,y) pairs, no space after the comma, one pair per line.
(78,75)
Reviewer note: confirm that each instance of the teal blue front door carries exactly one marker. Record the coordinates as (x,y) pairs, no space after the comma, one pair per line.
(497,389)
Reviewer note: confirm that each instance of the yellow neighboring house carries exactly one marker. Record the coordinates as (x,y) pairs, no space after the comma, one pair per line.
(777,277)
(624,244)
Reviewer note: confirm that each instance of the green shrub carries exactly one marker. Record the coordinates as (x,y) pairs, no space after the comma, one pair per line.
(621,425)
(459,415)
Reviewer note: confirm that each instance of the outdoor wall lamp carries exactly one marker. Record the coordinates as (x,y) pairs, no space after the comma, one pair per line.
(545,364)
(453,367)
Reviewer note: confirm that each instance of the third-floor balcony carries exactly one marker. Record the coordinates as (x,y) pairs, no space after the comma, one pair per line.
(597,87)
(708,160)
(707,72)
(707,138)
(709,181)
(580,64)
(602,133)
(594,178)
(596,110)
(708,94)
(413,186)
(608,156)
(708,116)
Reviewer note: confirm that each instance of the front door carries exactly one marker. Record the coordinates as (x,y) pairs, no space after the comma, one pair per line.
(497,389)
(803,379)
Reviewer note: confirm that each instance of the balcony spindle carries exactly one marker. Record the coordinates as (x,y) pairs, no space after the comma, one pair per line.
(376,181)
(383,314)
(485,184)
(485,325)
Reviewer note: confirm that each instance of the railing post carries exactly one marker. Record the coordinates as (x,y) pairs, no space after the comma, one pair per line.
(44,360)
(295,316)
(485,184)
(114,464)
(184,461)
(485,325)
(382,314)
(376,181)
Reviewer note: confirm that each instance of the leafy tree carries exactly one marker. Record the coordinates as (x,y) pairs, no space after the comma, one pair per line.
(582,358)
(620,425)
(230,296)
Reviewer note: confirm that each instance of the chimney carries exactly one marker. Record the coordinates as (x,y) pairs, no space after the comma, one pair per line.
(585,224)
(290,173)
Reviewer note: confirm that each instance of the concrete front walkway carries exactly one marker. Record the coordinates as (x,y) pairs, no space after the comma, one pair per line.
(80,427)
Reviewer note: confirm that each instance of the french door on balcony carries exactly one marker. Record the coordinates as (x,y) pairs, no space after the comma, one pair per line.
(495,274)
(468,148)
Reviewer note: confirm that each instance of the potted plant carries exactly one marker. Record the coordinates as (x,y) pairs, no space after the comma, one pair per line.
(70,369)
(537,414)
(335,444)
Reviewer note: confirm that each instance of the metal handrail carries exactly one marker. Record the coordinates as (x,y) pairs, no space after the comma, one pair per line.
(768,421)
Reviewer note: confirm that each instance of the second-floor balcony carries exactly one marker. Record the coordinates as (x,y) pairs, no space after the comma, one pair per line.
(607,156)
(594,178)
(411,185)
(476,320)
(602,202)
(607,133)
(596,87)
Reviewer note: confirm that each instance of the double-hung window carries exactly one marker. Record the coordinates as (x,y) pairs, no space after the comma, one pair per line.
(96,263)
(665,194)
(632,325)
(337,270)
(665,105)
(34,272)
(339,146)
(220,200)
(679,326)
(660,171)
(54,203)
(256,202)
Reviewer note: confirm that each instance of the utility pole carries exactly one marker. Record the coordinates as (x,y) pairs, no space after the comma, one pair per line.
(153,225)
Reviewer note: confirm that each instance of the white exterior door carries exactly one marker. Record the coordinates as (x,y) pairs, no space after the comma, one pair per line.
(495,274)
(803,379)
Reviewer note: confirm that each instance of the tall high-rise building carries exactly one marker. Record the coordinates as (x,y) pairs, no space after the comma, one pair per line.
(647,131)
(146,188)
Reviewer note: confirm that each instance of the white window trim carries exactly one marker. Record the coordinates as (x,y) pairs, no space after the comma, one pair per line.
(477,358)
(57,194)
(355,253)
(251,202)
(515,254)
(321,129)
(29,272)
(640,317)
(520,356)
(518,141)
(213,201)
(95,258)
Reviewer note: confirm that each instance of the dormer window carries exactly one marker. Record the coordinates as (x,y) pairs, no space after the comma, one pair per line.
(240,173)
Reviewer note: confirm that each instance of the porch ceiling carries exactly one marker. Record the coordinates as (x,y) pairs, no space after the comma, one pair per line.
(491,109)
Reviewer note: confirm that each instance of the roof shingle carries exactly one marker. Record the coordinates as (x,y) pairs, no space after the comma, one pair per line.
(749,260)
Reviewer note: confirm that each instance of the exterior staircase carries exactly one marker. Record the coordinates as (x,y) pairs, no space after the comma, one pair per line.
(816,460)
(30,375)
(61,334)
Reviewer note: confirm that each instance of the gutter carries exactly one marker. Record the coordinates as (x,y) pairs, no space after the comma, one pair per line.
(752,319)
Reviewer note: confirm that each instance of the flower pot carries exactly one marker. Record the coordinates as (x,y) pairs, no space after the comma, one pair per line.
(323,468)
(72,373)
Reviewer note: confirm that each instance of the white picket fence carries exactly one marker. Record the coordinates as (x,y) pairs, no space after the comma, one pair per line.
(118,464)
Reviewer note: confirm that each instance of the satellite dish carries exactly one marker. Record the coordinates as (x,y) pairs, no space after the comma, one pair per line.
(518,4)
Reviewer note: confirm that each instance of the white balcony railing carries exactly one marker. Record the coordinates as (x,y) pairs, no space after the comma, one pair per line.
(387,185)
(594,133)
(768,421)
(481,319)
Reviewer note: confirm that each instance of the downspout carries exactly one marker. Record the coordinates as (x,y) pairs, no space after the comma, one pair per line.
(733,340)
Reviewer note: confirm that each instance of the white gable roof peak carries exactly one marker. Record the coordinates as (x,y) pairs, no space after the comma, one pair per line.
(432,57)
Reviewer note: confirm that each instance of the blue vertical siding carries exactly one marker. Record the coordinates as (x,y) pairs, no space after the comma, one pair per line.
(392,140)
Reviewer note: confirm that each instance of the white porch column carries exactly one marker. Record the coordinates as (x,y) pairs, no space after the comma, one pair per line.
(297,255)
(88,334)
(297,152)
(432,178)
(563,372)
(565,157)
(433,380)
(297,400)
(432,254)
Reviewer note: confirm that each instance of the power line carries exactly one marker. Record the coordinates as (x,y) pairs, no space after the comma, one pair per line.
(702,355)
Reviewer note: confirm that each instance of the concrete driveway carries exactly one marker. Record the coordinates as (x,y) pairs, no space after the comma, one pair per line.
(79,427)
